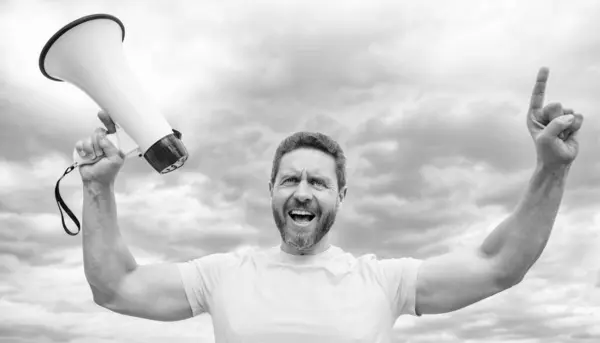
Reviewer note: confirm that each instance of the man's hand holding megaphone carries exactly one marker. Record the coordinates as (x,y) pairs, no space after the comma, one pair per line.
(106,169)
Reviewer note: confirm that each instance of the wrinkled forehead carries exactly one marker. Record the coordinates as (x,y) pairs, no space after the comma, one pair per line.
(309,162)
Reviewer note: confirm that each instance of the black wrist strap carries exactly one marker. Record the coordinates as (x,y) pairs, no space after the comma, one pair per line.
(61,204)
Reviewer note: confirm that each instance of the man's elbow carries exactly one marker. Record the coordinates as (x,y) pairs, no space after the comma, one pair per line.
(508,280)
(108,302)
(506,273)
(102,299)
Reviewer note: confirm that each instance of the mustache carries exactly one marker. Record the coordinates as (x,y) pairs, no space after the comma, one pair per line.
(294,204)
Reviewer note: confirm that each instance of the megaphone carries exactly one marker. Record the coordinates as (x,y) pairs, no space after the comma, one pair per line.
(88,53)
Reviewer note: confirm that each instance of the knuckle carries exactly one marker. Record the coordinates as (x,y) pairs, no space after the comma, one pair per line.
(555,105)
(86,145)
(99,131)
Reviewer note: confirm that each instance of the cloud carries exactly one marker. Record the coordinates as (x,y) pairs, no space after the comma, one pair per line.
(428,100)
(44,334)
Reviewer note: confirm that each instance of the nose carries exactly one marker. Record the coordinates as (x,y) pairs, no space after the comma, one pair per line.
(303,192)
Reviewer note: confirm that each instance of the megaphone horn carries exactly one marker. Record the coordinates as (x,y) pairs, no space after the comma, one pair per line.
(88,53)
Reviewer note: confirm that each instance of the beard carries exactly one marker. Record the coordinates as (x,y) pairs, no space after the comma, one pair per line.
(305,239)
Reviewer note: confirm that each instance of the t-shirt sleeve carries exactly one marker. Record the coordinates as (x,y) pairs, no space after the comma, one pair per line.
(400,280)
(200,278)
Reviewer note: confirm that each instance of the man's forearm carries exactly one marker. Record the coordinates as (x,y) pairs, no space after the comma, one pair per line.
(106,257)
(519,240)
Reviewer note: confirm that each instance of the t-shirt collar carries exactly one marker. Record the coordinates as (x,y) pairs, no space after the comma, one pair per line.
(331,251)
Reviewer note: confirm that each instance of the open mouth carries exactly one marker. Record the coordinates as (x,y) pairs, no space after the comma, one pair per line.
(301,217)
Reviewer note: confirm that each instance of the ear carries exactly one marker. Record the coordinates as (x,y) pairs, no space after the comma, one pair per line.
(342,197)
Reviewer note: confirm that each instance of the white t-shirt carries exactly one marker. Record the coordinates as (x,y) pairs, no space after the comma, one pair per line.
(264,296)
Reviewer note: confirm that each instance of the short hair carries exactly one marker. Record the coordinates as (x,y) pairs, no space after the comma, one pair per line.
(314,140)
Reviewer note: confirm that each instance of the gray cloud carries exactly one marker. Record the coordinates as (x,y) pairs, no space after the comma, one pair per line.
(589,337)
(31,134)
(33,244)
(496,320)
(34,333)
(237,81)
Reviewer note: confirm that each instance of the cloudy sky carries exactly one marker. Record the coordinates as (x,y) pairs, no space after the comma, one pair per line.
(427,98)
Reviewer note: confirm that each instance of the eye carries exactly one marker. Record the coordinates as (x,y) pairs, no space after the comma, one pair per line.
(318,183)
(289,180)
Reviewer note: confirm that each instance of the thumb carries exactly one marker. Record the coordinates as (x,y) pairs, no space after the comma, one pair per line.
(558,125)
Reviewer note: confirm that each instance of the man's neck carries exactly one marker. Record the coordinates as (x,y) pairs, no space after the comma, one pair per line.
(318,248)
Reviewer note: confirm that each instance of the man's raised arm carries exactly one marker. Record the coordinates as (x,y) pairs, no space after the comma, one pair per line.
(118,283)
(453,281)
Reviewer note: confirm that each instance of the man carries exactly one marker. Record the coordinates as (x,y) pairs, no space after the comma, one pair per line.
(307,290)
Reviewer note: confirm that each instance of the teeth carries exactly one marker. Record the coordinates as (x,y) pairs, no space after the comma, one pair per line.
(301,212)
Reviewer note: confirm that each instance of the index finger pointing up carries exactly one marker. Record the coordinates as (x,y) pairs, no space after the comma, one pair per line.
(537,98)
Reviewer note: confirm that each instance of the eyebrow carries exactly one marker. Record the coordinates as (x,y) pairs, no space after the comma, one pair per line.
(310,175)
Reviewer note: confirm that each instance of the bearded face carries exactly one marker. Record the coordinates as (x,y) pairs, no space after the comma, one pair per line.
(302,225)
(305,198)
